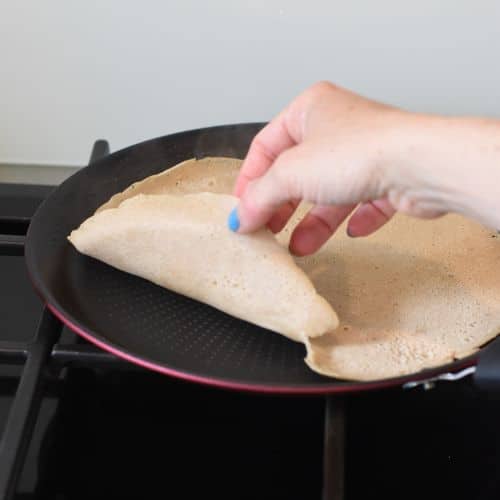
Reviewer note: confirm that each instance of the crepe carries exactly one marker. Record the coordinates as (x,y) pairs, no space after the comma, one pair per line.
(183,243)
(214,175)
(416,294)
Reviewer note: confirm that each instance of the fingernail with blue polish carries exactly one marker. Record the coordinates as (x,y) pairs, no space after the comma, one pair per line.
(233,221)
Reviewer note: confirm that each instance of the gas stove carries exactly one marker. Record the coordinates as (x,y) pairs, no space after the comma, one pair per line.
(76,422)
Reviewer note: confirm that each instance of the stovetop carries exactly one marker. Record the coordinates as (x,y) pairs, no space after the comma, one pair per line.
(106,429)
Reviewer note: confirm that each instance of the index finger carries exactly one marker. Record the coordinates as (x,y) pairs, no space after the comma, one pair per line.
(266,146)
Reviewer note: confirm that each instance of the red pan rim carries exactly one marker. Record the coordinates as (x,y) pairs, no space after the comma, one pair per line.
(242,386)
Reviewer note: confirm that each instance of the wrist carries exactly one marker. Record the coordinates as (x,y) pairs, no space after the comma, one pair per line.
(436,166)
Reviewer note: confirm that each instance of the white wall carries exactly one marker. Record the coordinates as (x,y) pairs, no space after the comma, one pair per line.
(132,70)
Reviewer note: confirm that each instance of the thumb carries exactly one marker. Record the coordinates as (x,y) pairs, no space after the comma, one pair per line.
(263,196)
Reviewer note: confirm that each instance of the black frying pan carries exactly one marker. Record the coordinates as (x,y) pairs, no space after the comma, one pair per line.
(149,325)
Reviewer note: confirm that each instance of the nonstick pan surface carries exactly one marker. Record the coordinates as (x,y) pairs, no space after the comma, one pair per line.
(147,324)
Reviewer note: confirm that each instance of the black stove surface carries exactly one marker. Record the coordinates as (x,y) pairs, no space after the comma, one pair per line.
(114,431)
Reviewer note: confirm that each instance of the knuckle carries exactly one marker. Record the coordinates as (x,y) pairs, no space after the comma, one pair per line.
(312,101)
(317,92)
(322,90)
(323,86)
(262,149)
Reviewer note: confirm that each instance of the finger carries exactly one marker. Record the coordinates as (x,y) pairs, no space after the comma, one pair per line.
(264,196)
(280,218)
(266,146)
(287,129)
(369,217)
(317,227)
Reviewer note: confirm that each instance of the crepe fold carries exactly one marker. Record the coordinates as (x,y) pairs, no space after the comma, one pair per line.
(183,243)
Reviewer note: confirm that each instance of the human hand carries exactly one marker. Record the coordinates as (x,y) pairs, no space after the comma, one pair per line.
(349,155)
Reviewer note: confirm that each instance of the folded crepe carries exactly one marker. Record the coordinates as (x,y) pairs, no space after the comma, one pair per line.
(183,243)
(415,294)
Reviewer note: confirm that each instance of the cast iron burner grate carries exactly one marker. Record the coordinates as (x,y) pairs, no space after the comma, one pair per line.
(44,358)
